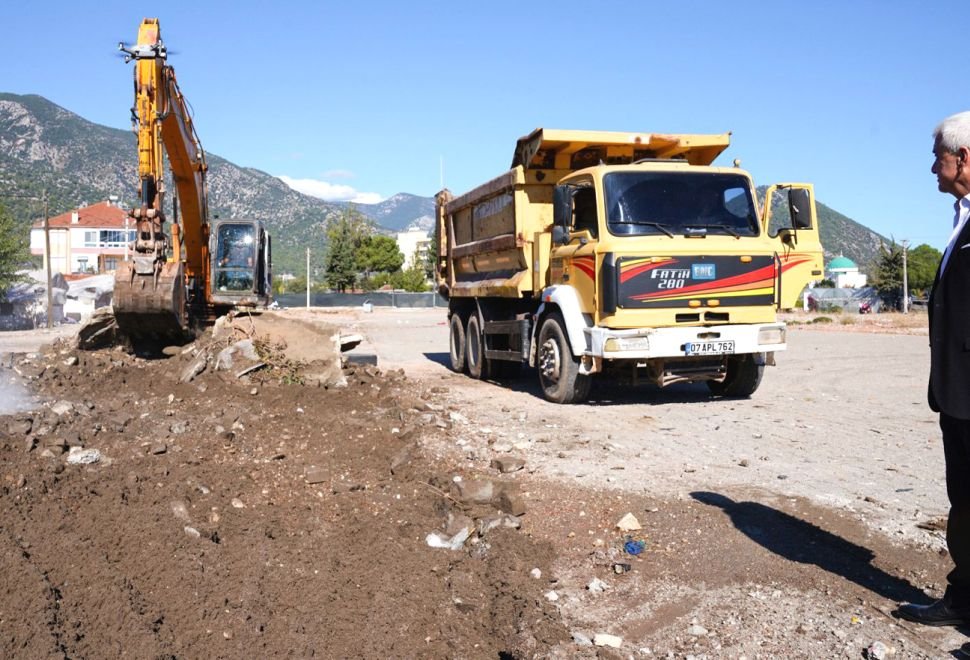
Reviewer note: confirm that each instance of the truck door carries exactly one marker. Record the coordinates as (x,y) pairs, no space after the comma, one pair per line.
(574,253)
(791,221)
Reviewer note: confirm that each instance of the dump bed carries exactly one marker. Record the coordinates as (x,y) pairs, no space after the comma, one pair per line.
(495,240)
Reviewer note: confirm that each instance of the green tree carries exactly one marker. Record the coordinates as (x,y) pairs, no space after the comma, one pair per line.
(345,235)
(431,258)
(14,251)
(921,264)
(412,279)
(379,254)
(887,276)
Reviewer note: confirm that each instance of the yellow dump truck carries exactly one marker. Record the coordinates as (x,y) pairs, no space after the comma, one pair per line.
(623,255)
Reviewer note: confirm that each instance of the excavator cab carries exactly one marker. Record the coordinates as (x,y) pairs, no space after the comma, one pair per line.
(240,263)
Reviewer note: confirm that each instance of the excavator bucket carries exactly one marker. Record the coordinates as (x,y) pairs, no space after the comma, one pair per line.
(150,306)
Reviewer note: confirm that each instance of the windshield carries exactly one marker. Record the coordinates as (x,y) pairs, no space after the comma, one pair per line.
(679,203)
(234,257)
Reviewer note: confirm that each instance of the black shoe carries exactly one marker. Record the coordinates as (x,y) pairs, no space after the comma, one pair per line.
(940,613)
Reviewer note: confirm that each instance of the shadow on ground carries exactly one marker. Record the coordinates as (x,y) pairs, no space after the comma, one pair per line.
(806,543)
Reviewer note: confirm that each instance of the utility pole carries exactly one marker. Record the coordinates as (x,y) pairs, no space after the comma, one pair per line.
(308,278)
(905,245)
(47,253)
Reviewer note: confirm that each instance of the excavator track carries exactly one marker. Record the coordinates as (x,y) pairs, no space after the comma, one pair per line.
(150,306)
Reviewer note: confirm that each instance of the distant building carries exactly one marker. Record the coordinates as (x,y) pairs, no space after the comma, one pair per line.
(92,239)
(845,274)
(413,243)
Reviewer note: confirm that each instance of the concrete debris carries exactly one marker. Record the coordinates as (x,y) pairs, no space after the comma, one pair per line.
(78,456)
(877,651)
(507,464)
(439,540)
(62,407)
(628,523)
(596,586)
(315,475)
(194,369)
(603,639)
(551,596)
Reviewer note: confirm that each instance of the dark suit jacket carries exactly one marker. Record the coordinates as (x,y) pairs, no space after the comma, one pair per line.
(949,312)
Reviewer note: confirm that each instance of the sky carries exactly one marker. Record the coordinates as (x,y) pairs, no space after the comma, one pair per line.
(362,100)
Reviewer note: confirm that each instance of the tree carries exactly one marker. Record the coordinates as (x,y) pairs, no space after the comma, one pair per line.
(921,264)
(345,234)
(887,276)
(431,258)
(14,251)
(379,254)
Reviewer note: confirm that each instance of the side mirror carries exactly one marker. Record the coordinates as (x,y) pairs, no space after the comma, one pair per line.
(800,208)
(560,235)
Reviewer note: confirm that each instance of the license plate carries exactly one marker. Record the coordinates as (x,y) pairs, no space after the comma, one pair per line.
(709,347)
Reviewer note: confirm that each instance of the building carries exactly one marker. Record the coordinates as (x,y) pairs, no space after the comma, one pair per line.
(92,239)
(413,243)
(845,274)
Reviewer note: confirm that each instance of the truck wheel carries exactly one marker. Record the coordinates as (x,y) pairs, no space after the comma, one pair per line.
(743,377)
(456,340)
(475,349)
(558,369)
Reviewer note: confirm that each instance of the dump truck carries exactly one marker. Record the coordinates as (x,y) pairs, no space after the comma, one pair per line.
(626,256)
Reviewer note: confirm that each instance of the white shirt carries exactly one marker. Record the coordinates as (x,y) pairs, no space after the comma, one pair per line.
(961,211)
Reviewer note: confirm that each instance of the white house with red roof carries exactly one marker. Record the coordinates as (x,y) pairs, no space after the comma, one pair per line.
(92,239)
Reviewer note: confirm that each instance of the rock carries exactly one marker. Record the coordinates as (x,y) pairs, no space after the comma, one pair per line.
(100,331)
(400,459)
(512,503)
(597,586)
(628,523)
(194,369)
(536,573)
(20,426)
(696,630)
(551,596)
(178,428)
(439,540)
(603,639)
(501,448)
(180,510)
(621,568)
(877,651)
(78,456)
(119,421)
(315,475)
(237,503)
(192,531)
(172,351)
(72,439)
(62,408)
(507,464)
(744,462)
(21,481)
(71,361)
(47,453)
(581,640)
(488,523)
(158,448)
(474,491)
(458,522)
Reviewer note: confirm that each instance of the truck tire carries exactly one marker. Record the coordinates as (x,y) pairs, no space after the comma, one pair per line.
(456,341)
(478,364)
(559,374)
(743,377)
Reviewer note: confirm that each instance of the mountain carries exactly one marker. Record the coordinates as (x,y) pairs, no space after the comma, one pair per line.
(46,147)
(401,212)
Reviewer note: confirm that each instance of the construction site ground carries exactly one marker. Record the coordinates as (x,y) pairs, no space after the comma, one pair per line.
(149,511)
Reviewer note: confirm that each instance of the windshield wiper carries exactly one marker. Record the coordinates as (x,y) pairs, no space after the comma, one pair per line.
(728,228)
(656,225)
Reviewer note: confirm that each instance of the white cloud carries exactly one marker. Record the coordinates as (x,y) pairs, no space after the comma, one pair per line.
(331,192)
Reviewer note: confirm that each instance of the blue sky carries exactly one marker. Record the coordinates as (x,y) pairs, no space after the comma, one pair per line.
(367,99)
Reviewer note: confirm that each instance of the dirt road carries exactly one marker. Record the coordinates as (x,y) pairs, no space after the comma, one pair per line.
(787,525)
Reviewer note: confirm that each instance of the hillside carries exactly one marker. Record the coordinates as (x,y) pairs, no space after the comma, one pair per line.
(44,146)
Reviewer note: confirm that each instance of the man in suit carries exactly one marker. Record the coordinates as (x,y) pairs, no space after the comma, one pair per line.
(949,386)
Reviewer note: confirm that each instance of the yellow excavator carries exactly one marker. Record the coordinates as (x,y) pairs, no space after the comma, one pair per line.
(202,268)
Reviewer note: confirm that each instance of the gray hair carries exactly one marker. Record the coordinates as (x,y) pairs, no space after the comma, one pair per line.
(954,132)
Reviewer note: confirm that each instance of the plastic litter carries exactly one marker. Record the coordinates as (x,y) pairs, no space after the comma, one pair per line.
(633,546)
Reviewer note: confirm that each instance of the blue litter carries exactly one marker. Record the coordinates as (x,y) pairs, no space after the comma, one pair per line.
(633,547)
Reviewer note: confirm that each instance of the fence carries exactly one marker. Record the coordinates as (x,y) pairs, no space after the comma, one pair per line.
(376,298)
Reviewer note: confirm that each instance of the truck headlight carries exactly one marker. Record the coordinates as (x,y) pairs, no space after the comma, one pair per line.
(617,344)
(771,335)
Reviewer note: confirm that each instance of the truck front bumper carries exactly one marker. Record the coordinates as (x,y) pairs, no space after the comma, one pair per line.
(649,343)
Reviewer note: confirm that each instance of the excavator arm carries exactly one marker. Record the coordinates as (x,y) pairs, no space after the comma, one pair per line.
(154,291)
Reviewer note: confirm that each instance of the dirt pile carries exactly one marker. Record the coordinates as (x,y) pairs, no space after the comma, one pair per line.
(147,513)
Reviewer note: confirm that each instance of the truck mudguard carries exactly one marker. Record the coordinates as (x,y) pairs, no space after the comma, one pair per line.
(566,299)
